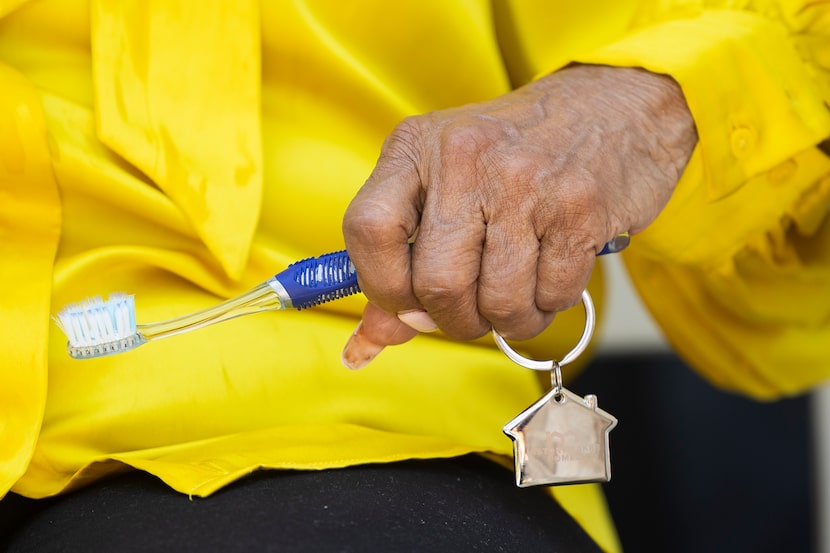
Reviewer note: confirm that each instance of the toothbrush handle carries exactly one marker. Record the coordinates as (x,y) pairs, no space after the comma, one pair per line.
(331,276)
(316,280)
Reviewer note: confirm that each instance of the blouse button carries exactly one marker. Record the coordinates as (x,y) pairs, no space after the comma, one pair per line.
(743,141)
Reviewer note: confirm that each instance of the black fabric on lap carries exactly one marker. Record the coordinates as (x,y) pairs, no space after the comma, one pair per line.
(440,505)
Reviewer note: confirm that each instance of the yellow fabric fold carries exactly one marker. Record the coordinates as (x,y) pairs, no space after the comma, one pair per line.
(177,94)
(7,6)
(205,467)
(750,310)
(30,224)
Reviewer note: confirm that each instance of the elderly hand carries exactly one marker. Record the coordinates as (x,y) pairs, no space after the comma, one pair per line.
(511,200)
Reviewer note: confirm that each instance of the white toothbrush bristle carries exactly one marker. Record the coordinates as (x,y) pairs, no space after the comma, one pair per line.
(97,327)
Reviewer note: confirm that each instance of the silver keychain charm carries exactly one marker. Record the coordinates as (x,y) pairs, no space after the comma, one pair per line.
(562,438)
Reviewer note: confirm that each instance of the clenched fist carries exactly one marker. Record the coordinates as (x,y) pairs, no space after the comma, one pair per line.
(490,215)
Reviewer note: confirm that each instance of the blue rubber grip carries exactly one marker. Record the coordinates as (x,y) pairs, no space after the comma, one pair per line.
(320,279)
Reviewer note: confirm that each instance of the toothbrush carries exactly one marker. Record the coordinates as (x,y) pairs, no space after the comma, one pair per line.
(96,327)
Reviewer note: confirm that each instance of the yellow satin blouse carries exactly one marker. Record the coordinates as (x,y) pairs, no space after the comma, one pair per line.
(184,152)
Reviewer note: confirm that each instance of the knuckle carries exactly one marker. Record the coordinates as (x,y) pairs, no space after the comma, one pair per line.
(572,221)
(449,301)
(363,224)
(404,140)
(472,145)
(440,288)
(497,309)
(477,158)
(525,167)
(578,195)
(464,139)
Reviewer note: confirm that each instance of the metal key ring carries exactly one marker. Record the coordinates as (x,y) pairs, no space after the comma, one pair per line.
(590,323)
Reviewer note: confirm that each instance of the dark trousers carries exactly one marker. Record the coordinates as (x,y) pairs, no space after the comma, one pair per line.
(449,505)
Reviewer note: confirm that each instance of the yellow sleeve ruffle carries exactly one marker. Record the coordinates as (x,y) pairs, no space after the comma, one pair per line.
(736,270)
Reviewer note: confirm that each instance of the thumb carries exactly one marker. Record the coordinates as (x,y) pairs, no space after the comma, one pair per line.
(375,331)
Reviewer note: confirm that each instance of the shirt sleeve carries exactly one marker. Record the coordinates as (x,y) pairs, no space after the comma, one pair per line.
(736,270)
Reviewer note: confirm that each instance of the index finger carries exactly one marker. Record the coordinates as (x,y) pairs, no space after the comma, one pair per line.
(379,224)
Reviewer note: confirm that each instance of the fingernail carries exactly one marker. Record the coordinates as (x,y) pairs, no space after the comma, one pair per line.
(418,319)
(359,351)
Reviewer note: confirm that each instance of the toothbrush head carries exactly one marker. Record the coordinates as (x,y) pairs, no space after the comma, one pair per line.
(96,327)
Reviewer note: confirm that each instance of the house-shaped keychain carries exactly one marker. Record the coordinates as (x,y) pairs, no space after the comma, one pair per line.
(561,439)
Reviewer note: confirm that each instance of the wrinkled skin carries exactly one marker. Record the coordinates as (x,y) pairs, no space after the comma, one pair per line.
(490,215)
